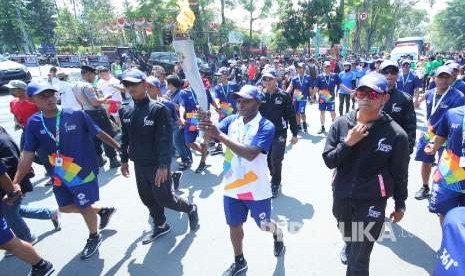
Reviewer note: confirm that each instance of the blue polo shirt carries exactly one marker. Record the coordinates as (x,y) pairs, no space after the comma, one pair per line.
(451,126)
(225,93)
(77,149)
(451,260)
(346,79)
(173,111)
(408,83)
(329,83)
(3,170)
(303,83)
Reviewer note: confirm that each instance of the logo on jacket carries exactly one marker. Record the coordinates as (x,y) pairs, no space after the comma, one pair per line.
(126,121)
(69,128)
(395,108)
(383,147)
(278,101)
(148,122)
(373,213)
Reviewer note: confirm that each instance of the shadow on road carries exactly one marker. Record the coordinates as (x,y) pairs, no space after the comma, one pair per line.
(163,258)
(293,211)
(93,265)
(410,248)
(280,269)
(204,183)
(315,139)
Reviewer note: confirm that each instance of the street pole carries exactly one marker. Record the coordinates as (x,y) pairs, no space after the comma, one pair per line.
(317,47)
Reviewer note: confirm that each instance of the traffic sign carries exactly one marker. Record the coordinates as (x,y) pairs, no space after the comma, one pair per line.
(363,16)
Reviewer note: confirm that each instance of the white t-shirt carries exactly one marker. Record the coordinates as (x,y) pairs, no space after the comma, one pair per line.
(106,86)
(68,100)
(243,179)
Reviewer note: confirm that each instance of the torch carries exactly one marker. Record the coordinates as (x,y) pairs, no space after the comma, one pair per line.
(184,48)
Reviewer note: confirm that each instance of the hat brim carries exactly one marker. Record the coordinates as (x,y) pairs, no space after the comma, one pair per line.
(268,76)
(133,80)
(372,88)
(43,90)
(239,95)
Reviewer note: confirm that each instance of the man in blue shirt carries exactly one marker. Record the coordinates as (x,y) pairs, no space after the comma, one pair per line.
(408,81)
(348,78)
(448,189)
(300,90)
(67,137)
(326,85)
(438,101)
(224,93)
(456,82)
(450,259)
(23,250)
(248,137)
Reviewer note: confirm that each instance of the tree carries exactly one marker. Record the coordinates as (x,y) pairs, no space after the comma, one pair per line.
(252,6)
(448,27)
(41,19)
(11,15)
(290,25)
(67,29)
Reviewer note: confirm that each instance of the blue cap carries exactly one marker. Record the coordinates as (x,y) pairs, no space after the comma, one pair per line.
(35,88)
(222,71)
(375,81)
(300,65)
(450,259)
(388,63)
(153,81)
(346,63)
(133,75)
(269,73)
(249,92)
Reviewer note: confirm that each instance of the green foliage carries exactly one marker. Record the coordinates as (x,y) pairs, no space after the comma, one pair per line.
(10,33)
(448,27)
(41,20)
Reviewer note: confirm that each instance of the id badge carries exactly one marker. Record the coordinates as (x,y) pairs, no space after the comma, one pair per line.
(240,172)
(58,162)
(462,162)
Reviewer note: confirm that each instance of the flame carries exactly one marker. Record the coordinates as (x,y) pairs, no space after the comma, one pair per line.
(185,17)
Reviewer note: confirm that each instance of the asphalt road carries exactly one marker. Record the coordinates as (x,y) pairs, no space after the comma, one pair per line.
(304,210)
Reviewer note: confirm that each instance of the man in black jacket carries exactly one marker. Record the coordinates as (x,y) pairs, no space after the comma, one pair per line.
(278,108)
(369,152)
(147,141)
(400,104)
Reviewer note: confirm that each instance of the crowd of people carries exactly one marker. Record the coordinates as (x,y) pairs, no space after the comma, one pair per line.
(153,119)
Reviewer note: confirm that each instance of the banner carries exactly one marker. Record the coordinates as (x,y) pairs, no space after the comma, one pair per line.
(26,60)
(69,61)
(95,61)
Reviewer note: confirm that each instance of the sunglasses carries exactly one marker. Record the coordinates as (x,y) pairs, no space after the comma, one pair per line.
(390,70)
(46,94)
(367,92)
(128,84)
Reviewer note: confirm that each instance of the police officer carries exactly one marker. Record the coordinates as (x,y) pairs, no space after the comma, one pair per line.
(400,104)
(369,152)
(147,132)
(92,105)
(277,107)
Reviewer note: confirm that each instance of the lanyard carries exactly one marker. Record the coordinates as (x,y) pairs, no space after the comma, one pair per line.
(301,83)
(242,135)
(463,137)
(227,91)
(434,107)
(404,81)
(327,79)
(56,137)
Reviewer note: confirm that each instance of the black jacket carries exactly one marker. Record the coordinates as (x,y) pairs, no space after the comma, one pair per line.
(400,108)
(146,134)
(9,156)
(374,168)
(278,108)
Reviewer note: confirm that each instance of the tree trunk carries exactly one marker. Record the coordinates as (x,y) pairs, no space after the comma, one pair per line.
(223,19)
(251,19)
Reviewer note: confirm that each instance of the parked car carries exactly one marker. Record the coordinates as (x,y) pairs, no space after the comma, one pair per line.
(168,59)
(10,70)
